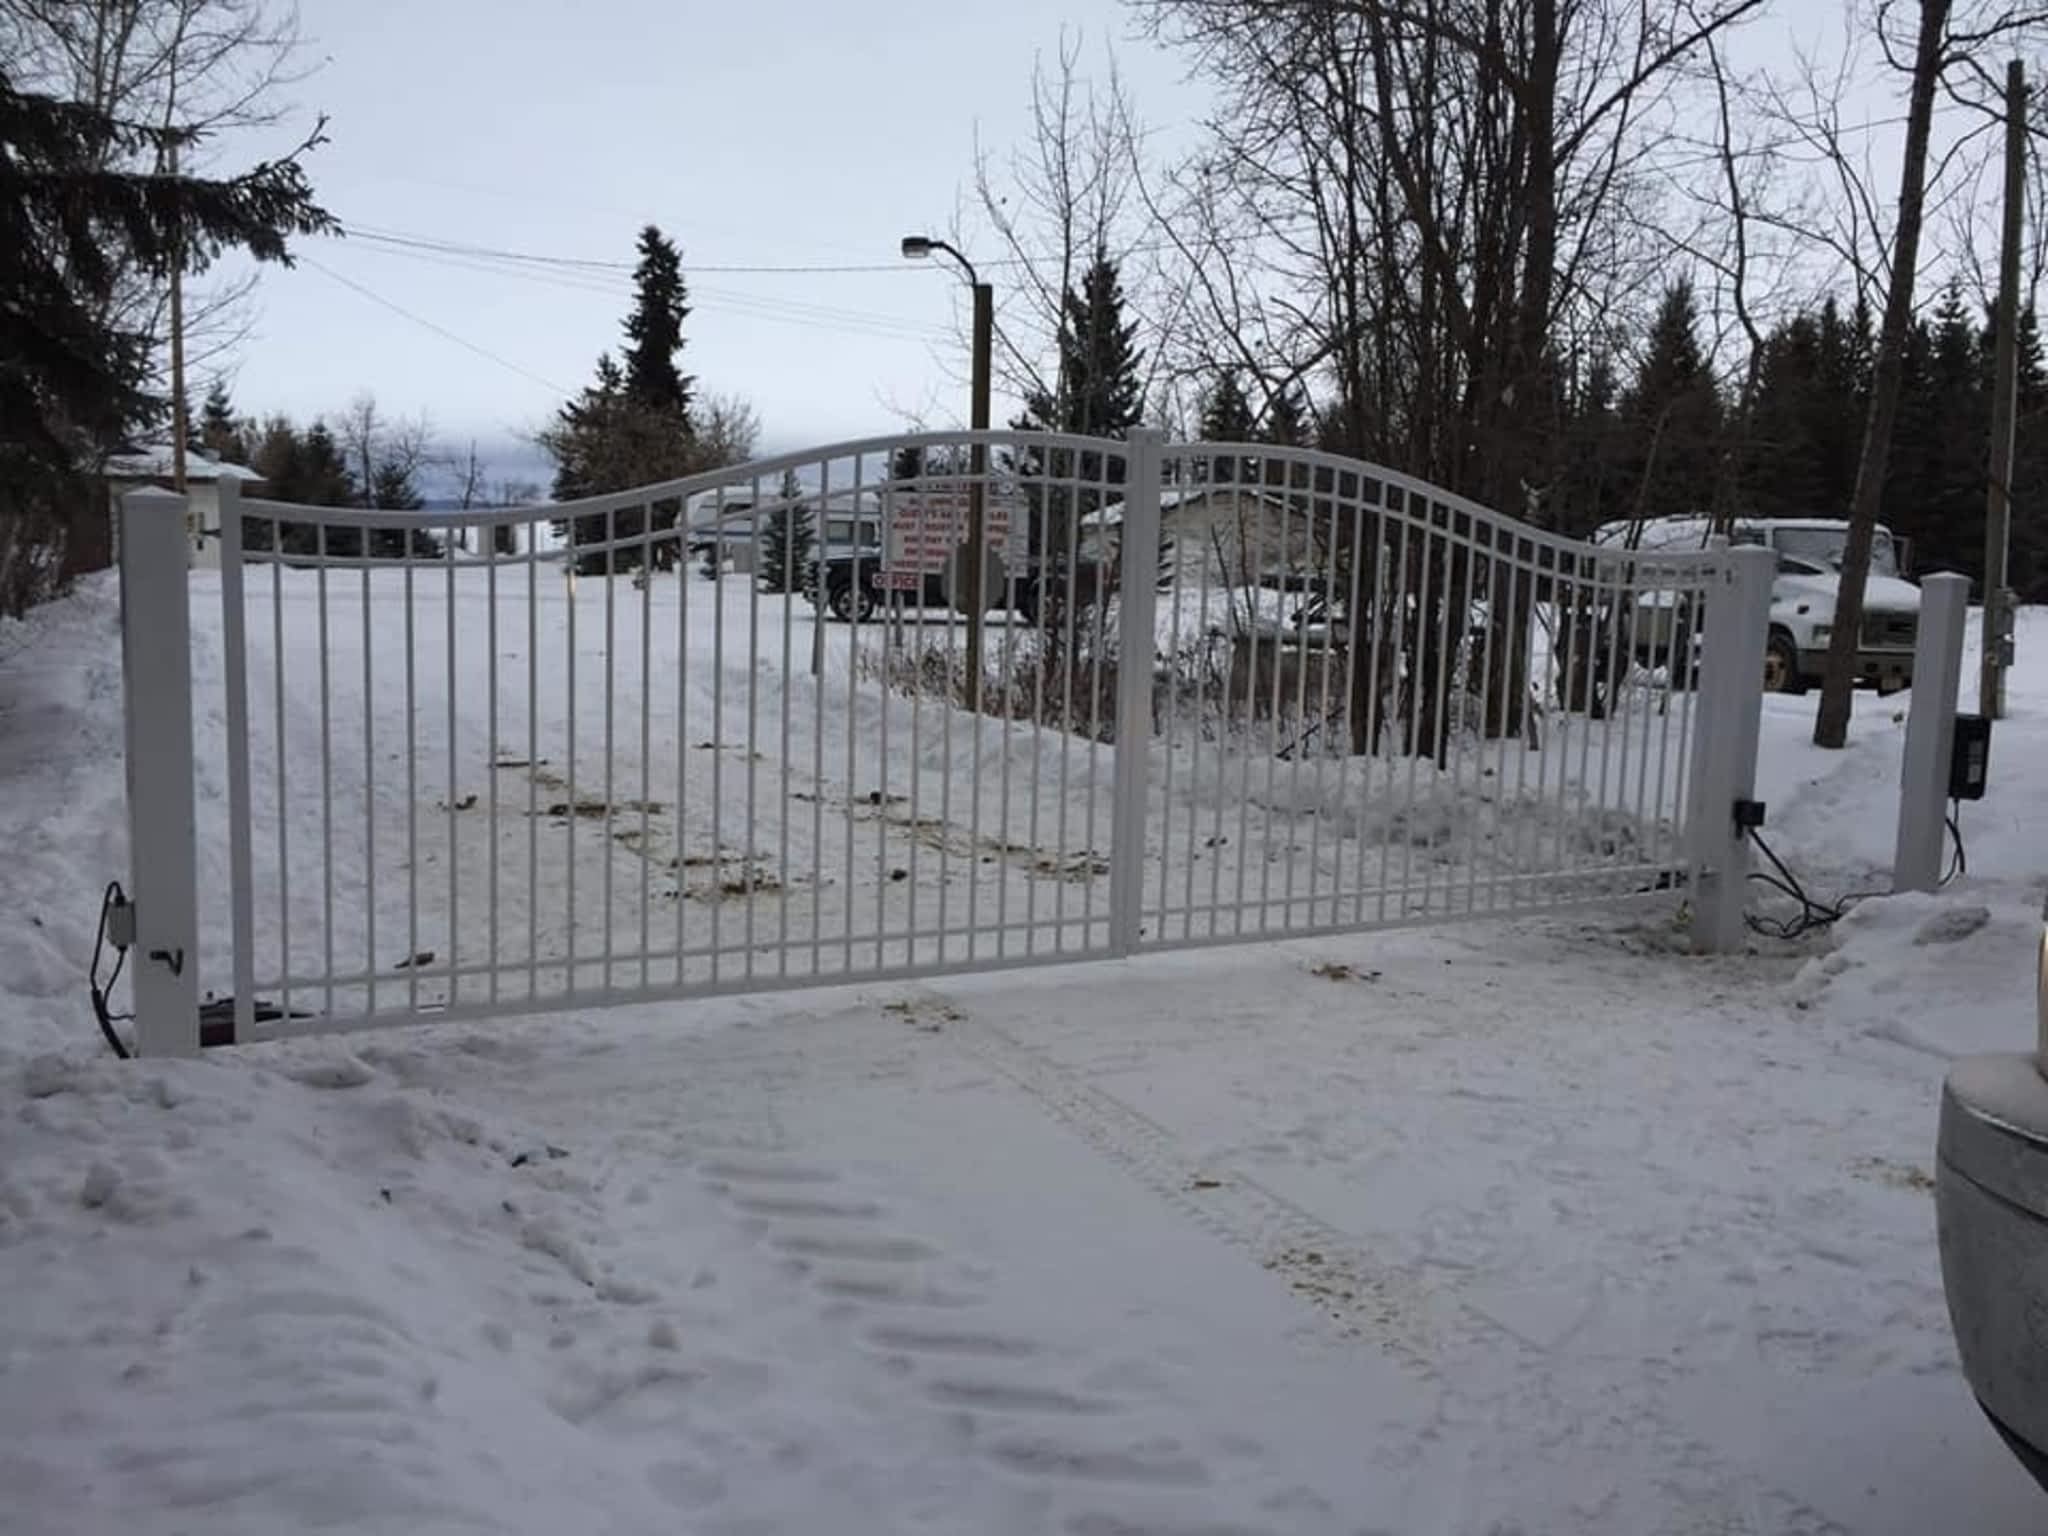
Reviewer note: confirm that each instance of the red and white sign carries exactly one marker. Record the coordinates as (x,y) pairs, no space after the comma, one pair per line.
(903,580)
(928,525)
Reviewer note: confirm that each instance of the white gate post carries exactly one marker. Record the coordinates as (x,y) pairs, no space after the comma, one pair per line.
(1930,732)
(1726,731)
(1137,598)
(156,670)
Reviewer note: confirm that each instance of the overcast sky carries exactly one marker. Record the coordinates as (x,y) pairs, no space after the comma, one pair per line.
(755,132)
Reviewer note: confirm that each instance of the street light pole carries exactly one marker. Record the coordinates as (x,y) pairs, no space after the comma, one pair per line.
(976,596)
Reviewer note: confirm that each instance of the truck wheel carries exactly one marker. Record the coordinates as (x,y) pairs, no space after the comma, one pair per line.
(848,606)
(1781,665)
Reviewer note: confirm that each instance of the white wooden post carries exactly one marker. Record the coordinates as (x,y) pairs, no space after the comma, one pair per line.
(156,669)
(1930,732)
(1137,601)
(1726,731)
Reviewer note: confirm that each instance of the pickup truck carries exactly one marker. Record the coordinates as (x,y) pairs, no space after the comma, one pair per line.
(1809,552)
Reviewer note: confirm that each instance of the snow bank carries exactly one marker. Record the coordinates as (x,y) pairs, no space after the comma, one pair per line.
(63,808)
(294,1294)
(1533,1225)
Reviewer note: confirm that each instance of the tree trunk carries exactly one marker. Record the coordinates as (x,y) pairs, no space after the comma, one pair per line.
(1508,685)
(1831,725)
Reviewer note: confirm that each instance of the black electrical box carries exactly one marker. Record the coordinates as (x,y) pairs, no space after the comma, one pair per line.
(1969,759)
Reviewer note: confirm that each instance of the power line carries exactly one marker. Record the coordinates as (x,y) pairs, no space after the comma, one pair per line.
(439,330)
(499,253)
(593,265)
(415,241)
(710,299)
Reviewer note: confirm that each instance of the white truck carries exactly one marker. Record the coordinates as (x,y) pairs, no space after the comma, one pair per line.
(1809,551)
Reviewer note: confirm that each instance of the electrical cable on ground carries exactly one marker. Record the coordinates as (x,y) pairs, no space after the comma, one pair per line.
(112,898)
(1961,863)
(1815,914)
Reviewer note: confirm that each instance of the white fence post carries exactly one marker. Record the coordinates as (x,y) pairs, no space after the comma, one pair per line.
(156,669)
(1731,692)
(1137,597)
(1930,732)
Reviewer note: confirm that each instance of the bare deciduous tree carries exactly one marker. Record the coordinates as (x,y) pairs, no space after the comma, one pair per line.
(468,471)
(1071,193)
(1945,61)
(728,428)
(382,450)
(1427,204)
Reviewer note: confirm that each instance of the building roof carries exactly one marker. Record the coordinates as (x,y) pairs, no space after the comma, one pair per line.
(1661,533)
(1172,501)
(154,463)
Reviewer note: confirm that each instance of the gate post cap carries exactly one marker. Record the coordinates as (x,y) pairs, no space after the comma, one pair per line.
(147,497)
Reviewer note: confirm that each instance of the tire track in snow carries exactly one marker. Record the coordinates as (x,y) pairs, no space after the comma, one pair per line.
(1009,1392)
(1350,1294)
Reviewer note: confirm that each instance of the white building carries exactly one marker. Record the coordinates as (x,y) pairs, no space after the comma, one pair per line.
(203,475)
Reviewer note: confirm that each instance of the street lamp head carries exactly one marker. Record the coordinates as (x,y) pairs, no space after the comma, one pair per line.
(917,247)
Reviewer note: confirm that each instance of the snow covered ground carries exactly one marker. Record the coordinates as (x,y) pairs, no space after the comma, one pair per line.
(1524,1226)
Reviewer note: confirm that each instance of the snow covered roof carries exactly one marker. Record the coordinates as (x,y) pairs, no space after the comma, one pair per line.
(1692,532)
(155,464)
(1172,501)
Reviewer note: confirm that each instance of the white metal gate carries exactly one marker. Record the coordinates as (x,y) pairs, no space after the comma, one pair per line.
(648,746)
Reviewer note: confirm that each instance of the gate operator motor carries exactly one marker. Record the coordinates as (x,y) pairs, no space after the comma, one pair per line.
(1969,759)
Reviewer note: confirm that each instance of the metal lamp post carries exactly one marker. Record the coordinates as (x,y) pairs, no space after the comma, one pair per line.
(916,248)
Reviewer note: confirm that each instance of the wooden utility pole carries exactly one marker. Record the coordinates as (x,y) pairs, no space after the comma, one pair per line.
(179,420)
(2004,390)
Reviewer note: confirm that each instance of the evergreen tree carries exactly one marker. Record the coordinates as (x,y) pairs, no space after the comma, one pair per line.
(788,538)
(1848,352)
(586,437)
(73,374)
(654,332)
(603,441)
(1671,416)
(392,488)
(1587,493)
(1100,392)
(1287,418)
(306,467)
(1935,496)
(1227,418)
(220,434)
(633,425)
(1787,466)
(2027,563)
(1226,412)
(328,481)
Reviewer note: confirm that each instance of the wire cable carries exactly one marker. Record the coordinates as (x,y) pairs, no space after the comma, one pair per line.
(111,898)
(439,330)
(1815,914)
